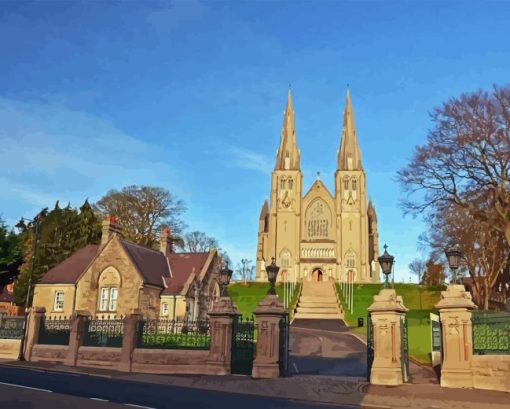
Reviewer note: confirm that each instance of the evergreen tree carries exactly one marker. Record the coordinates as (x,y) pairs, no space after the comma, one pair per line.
(10,254)
(61,232)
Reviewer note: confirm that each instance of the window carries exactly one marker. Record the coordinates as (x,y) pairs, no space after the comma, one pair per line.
(58,305)
(354,184)
(282,183)
(351,259)
(346,183)
(113,299)
(108,299)
(164,308)
(290,183)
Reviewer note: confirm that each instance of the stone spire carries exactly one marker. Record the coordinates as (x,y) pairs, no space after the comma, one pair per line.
(349,155)
(287,156)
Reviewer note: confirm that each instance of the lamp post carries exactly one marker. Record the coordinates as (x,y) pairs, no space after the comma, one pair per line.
(386,263)
(453,254)
(21,224)
(225,276)
(272,272)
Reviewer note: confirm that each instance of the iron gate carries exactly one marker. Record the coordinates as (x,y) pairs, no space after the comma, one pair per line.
(243,345)
(370,346)
(404,344)
(284,345)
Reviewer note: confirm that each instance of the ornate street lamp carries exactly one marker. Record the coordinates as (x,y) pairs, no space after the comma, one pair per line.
(272,272)
(225,276)
(386,263)
(453,254)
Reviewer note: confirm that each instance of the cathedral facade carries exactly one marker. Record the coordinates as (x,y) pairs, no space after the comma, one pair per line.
(315,235)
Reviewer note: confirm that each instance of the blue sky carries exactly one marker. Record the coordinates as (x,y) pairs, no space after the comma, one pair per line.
(189,95)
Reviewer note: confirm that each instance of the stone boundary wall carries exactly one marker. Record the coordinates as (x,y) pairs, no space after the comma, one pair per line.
(49,353)
(9,348)
(99,357)
(166,361)
(491,372)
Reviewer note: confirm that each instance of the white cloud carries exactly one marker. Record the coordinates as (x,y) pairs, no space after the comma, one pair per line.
(49,152)
(248,159)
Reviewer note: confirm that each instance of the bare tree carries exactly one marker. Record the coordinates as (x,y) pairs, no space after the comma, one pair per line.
(244,270)
(485,252)
(142,211)
(199,242)
(467,156)
(418,267)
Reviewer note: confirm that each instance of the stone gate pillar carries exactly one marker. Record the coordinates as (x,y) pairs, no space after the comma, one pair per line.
(76,336)
(129,340)
(268,314)
(386,312)
(220,320)
(455,309)
(35,316)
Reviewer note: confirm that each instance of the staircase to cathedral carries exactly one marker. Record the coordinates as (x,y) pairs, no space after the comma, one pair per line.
(318,301)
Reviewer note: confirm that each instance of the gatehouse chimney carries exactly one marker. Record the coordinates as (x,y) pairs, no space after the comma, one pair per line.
(110,228)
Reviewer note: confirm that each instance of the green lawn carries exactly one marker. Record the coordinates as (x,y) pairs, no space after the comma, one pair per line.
(247,296)
(417,316)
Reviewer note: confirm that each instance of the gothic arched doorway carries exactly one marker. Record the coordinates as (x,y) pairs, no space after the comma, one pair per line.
(317,274)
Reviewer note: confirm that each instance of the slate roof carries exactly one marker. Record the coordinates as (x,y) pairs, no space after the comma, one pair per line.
(71,268)
(182,265)
(151,263)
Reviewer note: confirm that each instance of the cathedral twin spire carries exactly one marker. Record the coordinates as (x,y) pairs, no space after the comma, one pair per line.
(288,155)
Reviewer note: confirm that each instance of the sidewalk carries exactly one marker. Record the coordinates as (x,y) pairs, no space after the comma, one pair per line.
(310,388)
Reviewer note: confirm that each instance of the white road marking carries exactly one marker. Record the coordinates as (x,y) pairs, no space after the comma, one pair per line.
(138,406)
(101,400)
(295,367)
(26,387)
(36,370)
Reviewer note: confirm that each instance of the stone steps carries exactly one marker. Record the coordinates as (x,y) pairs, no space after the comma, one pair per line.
(318,301)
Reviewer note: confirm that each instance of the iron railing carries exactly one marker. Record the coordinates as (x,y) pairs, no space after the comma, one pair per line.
(11,327)
(54,331)
(101,332)
(491,333)
(174,334)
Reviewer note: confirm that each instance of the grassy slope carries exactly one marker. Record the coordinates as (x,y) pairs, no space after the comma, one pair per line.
(246,297)
(418,315)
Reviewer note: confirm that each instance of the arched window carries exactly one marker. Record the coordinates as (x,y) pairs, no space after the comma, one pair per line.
(346,183)
(290,183)
(282,183)
(318,219)
(108,283)
(350,259)
(285,258)
(354,184)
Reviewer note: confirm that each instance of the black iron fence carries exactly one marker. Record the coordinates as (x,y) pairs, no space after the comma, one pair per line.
(491,333)
(11,327)
(101,332)
(174,334)
(54,331)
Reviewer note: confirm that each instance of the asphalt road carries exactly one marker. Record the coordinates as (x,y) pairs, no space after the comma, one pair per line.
(53,390)
(324,347)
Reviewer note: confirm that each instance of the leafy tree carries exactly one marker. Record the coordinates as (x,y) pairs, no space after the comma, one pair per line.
(466,158)
(434,275)
(143,211)
(197,242)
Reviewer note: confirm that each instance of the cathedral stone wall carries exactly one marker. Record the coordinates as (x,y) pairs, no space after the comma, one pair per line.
(318,235)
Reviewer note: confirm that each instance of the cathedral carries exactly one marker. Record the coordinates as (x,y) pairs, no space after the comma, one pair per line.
(315,235)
